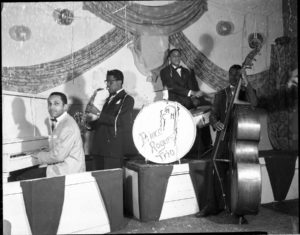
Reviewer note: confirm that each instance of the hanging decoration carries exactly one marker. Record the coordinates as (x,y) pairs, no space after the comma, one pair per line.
(255,40)
(63,16)
(48,75)
(224,28)
(20,33)
(148,20)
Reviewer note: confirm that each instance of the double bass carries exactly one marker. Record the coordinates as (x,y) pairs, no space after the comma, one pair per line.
(245,172)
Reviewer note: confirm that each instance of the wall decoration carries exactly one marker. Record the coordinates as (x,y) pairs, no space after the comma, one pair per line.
(255,40)
(224,28)
(20,33)
(41,77)
(145,20)
(63,16)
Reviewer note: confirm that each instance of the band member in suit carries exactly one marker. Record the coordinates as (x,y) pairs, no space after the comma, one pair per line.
(183,88)
(222,98)
(113,125)
(179,82)
(217,118)
(65,154)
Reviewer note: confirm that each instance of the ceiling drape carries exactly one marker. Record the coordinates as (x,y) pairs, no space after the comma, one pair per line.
(148,20)
(151,26)
(38,78)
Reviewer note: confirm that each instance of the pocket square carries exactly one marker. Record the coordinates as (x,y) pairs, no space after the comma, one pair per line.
(118,102)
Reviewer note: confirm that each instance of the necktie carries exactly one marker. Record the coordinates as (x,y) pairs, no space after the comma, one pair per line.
(232,90)
(111,97)
(53,123)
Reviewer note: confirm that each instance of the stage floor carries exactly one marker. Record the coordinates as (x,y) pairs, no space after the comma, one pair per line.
(273,218)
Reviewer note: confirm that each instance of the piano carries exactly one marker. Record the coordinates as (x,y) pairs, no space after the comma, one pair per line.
(16,153)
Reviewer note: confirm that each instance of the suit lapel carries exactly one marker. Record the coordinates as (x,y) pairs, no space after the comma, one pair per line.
(174,74)
(117,97)
(180,80)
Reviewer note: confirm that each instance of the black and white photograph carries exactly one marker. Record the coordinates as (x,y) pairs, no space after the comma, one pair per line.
(153,116)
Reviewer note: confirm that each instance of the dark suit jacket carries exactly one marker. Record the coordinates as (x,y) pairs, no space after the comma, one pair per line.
(219,108)
(222,100)
(179,86)
(113,137)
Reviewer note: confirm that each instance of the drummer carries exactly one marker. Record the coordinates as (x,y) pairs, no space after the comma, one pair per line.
(183,88)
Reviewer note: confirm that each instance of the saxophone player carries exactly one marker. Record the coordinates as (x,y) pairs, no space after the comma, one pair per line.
(113,125)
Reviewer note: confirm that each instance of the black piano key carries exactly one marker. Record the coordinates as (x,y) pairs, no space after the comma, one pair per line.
(18,155)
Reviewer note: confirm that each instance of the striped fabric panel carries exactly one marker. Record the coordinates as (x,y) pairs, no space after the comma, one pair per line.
(38,78)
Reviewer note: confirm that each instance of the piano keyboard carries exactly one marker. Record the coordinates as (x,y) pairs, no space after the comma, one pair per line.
(17,162)
(17,153)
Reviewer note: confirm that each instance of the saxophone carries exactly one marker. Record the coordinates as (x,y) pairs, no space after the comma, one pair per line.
(81,118)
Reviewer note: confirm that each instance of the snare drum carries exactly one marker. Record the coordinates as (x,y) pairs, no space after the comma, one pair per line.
(201,115)
(164,131)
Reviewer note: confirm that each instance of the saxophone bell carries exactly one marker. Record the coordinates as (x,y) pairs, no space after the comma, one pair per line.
(91,111)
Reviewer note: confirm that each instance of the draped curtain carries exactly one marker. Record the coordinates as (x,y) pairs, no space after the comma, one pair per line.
(162,22)
(151,26)
(38,78)
(277,98)
(148,20)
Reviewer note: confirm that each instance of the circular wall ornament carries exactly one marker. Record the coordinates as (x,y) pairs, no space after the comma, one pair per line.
(255,40)
(63,16)
(20,33)
(224,28)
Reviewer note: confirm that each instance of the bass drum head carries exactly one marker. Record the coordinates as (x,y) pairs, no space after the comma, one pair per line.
(164,132)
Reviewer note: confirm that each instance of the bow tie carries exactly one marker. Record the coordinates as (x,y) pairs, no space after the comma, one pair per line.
(53,119)
(179,67)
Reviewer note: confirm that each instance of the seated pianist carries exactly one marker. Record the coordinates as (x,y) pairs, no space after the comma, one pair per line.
(65,154)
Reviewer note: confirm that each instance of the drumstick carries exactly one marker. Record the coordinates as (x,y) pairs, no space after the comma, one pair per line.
(209,94)
(164,90)
(204,93)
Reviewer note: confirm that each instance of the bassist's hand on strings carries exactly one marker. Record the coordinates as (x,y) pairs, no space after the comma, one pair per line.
(218,126)
(196,94)
(244,77)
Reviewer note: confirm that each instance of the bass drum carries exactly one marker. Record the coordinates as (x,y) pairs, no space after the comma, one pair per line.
(164,132)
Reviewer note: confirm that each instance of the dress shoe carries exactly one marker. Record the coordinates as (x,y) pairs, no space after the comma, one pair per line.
(243,220)
(203,213)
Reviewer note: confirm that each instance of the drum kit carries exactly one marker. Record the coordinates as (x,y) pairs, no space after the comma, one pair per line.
(165,131)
